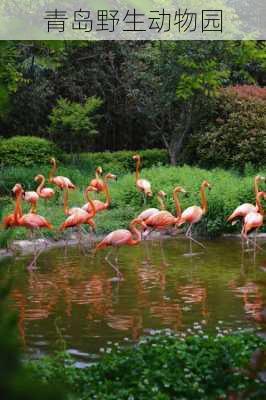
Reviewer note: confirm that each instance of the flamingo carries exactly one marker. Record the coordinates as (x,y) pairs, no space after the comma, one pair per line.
(99,205)
(164,219)
(97,182)
(60,181)
(30,221)
(194,214)
(9,221)
(43,192)
(77,216)
(254,219)
(32,198)
(121,237)
(144,215)
(143,185)
(242,210)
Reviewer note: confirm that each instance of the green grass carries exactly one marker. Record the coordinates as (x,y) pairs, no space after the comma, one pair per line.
(164,367)
(228,191)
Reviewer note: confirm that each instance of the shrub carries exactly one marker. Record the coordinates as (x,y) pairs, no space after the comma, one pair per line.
(165,367)
(26,151)
(119,162)
(74,124)
(237,135)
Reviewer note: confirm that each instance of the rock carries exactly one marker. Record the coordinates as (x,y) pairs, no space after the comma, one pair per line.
(28,246)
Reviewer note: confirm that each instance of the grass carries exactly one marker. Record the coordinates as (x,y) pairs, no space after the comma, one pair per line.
(228,191)
(165,367)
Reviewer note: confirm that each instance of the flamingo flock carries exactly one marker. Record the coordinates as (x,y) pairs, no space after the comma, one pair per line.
(149,220)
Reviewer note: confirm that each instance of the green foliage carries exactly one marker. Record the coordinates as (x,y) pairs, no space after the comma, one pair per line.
(16,383)
(9,74)
(26,150)
(237,135)
(119,162)
(73,124)
(163,367)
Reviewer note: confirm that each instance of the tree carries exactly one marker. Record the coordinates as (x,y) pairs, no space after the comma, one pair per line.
(182,78)
(74,124)
(9,74)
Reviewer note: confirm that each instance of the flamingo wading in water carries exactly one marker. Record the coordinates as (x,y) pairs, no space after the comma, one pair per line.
(194,214)
(241,211)
(77,216)
(99,205)
(254,219)
(164,219)
(121,237)
(144,215)
(143,185)
(31,221)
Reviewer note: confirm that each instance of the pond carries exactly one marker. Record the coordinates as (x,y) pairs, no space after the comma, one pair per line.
(74,297)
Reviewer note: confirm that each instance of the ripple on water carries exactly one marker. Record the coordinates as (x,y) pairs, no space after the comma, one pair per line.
(80,300)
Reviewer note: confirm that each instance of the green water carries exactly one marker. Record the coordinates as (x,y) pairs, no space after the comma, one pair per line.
(76,297)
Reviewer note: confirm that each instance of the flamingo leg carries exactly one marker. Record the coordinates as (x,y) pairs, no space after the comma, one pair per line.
(111,264)
(255,242)
(149,232)
(163,254)
(189,236)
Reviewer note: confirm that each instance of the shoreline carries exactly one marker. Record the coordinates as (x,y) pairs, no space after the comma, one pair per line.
(27,247)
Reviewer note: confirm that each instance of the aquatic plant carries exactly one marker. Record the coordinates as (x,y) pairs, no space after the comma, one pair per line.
(165,367)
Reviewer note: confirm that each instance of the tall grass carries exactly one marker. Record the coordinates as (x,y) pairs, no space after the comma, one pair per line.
(228,191)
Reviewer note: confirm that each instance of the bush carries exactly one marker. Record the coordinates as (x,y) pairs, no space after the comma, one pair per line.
(119,162)
(165,367)
(26,151)
(237,135)
(73,125)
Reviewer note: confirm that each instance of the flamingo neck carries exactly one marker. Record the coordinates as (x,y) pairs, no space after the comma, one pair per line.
(66,209)
(107,193)
(258,203)
(203,198)
(41,185)
(136,233)
(137,169)
(177,204)
(18,208)
(33,209)
(90,201)
(161,203)
(97,175)
(53,170)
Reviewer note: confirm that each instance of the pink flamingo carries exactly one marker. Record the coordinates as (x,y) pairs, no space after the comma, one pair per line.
(29,221)
(241,211)
(164,219)
(194,214)
(143,185)
(43,192)
(99,205)
(32,198)
(144,215)
(121,237)
(97,182)
(254,219)
(77,216)
(60,181)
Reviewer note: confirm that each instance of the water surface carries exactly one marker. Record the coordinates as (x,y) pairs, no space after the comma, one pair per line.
(75,298)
